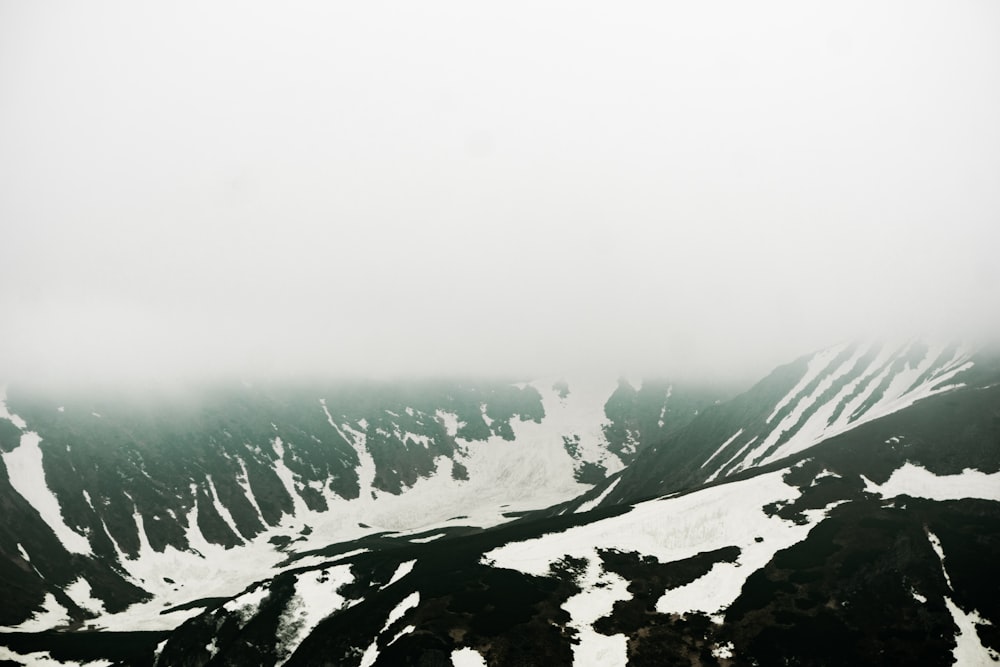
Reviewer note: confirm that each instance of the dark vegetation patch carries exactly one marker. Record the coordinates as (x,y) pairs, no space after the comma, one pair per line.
(845,595)
(122,648)
(655,638)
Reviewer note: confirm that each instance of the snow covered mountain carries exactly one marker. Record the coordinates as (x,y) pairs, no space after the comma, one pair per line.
(121,507)
(797,406)
(844,510)
(876,545)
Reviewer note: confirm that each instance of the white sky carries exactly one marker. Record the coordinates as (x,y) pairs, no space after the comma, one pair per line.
(442,187)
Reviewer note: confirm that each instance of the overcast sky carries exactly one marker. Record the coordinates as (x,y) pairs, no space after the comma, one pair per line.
(447,187)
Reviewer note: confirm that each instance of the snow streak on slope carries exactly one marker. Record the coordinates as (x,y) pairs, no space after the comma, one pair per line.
(904,389)
(591,504)
(842,388)
(969,650)
(370,655)
(816,365)
(401,571)
(534,470)
(735,456)
(27,476)
(677,528)
(472,483)
(722,446)
(801,405)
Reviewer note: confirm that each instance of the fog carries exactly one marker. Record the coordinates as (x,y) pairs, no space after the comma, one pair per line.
(192,189)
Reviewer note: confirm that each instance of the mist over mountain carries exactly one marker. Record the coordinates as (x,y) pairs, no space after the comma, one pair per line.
(851,494)
(453,335)
(245,189)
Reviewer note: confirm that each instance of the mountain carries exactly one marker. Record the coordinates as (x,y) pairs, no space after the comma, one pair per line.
(812,399)
(844,510)
(120,506)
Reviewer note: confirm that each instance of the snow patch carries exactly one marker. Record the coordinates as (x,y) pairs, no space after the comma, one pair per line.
(724,651)
(81,593)
(467,657)
(600,591)
(449,421)
(315,598)
(715,591)
(917,482)
(429,538)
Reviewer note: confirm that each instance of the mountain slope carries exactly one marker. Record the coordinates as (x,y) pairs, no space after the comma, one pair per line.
(797,406)
(877,546)
(147,502)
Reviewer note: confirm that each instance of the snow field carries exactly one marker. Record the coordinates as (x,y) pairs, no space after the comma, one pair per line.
(673,529)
